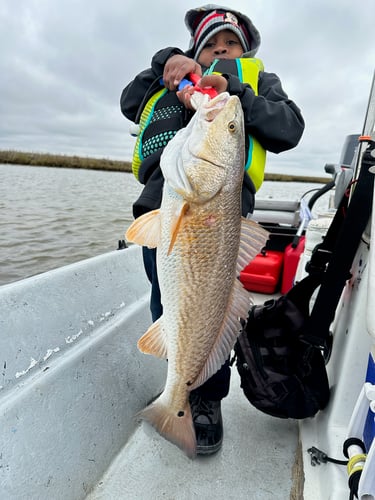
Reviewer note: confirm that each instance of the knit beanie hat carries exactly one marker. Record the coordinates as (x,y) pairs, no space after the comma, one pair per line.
(204,22)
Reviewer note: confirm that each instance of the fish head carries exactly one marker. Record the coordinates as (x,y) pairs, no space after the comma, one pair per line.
(208,155)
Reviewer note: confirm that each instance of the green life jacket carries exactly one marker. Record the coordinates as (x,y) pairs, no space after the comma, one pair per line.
(161,118)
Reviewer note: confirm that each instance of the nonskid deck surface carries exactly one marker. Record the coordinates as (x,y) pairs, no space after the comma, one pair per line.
(255,462)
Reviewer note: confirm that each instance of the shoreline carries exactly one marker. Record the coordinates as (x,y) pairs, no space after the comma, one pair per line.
(65,161)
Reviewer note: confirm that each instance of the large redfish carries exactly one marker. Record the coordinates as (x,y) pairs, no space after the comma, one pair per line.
(202,243)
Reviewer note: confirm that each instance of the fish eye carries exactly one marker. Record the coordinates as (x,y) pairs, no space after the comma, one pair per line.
(231,126)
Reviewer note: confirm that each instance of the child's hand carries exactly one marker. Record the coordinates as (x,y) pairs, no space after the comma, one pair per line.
(176,68)
(218,82)
(184,96)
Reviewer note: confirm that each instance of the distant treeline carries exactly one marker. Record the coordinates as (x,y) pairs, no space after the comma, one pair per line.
(50,160)
(65,161)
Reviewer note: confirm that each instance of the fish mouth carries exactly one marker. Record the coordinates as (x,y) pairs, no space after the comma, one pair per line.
(212,108)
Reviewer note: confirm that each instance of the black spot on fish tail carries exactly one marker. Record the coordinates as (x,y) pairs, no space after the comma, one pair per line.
(177,427)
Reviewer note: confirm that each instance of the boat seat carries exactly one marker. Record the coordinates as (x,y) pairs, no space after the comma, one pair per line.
(277,212)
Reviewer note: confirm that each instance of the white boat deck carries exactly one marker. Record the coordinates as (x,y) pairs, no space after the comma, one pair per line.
(255,462)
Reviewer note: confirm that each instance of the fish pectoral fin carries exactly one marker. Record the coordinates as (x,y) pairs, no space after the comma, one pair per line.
(154,341)
(238,307)
(253,239)
(145,230)
(176,223)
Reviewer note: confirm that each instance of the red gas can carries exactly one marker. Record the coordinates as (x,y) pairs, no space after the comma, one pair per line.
(263,273)
(291,259)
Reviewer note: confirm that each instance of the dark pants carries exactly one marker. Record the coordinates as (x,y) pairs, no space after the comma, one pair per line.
(216,387)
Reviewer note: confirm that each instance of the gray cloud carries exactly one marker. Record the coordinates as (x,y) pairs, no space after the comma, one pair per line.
(64,64)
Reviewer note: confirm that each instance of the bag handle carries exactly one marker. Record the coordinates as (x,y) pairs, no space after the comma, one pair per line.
(343,238)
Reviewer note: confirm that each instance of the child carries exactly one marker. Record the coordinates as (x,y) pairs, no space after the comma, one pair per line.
(222,50)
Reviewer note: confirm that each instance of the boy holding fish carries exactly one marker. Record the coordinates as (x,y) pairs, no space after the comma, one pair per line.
(221,55)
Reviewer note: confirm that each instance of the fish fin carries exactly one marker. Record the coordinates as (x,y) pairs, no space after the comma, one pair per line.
(179,430)
(238,307)
(154,341)
(253,239)
(176,224)
(145,230)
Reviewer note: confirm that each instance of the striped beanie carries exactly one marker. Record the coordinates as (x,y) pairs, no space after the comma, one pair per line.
(204,22)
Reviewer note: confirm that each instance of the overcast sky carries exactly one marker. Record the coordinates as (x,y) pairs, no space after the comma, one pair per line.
(63,65)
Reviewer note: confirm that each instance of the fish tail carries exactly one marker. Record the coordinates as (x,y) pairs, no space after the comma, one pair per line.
(178,428)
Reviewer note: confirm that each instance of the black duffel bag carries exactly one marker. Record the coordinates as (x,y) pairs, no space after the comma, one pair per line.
(282,374)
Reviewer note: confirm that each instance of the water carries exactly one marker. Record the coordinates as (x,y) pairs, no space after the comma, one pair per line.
(50,217)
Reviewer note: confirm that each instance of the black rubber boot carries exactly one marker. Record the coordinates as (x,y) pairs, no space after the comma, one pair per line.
(208,424)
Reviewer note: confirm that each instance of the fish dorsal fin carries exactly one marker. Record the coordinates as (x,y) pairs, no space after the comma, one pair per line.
(145,230)
(238,307)
(176,224)
(154,341)
(253,239)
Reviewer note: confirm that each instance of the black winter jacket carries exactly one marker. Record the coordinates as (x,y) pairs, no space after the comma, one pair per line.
(271,117)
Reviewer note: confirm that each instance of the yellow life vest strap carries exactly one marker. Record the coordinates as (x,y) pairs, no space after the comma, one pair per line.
(143,122)
(248,72)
